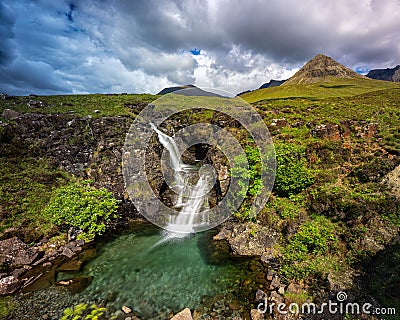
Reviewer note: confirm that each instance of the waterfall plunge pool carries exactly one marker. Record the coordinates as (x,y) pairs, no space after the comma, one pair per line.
(155,279)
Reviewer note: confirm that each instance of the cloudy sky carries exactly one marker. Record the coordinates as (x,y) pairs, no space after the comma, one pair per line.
(103,46)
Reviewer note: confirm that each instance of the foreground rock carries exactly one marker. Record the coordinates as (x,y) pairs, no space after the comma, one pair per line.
(183,315)
(249,239)
(27,268)
(14,253)
(9,285)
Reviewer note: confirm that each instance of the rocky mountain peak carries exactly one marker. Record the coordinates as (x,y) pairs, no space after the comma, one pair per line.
(320,67)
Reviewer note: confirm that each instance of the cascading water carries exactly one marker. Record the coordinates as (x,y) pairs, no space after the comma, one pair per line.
(192,199)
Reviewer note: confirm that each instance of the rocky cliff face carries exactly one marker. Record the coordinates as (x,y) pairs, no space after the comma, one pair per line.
(92,149)
(320,67)
(85,147)
(388,74)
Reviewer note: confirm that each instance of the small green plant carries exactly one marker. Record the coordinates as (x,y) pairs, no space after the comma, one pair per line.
(292,175)
(252,174)
(82,206)
(308,251)
(84,312)
(287,208)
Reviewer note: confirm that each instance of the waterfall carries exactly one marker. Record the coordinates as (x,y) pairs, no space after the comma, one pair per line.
(191,199)
(170,144)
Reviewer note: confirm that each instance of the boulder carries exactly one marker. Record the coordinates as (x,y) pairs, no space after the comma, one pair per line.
(183,315)
(248,239)
(9,285)
(10,114)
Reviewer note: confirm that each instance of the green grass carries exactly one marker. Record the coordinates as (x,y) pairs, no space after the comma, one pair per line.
(26,186)
(80,105)
(334,87)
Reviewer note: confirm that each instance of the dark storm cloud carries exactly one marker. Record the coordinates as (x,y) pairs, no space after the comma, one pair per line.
(7,47)
(121,45)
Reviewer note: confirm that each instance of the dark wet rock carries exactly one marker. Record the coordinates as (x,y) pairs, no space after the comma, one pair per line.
(73,265)
(14,253)
(39,281)
(9,285)
(19,272)
(248,239)
(9,114)
(68,252)
(185,314)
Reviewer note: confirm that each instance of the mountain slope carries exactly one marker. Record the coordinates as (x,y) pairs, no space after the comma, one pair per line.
(320,68)
(322,77)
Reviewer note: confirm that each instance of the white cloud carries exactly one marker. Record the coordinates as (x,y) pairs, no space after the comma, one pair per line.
(135,46)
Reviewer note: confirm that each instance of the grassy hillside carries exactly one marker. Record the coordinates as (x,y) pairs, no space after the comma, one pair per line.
(79,105)
(334,87)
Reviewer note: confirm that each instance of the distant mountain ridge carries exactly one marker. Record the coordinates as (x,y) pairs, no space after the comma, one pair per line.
(189,90)
(172,89)
(319,68)
(388,74)
(272,83)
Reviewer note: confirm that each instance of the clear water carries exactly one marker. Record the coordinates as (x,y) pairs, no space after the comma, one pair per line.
(154,279)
